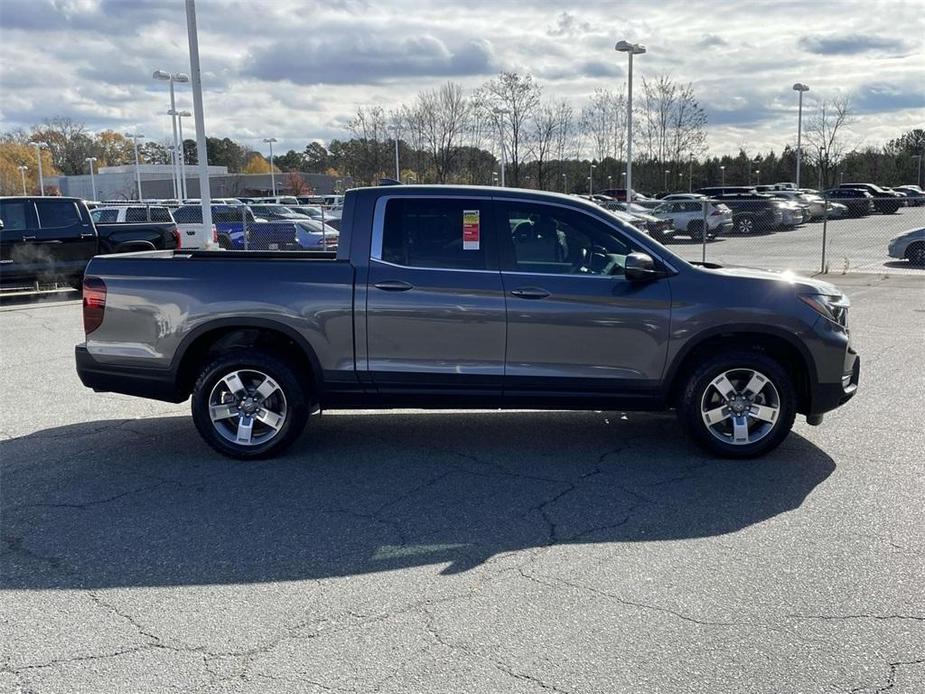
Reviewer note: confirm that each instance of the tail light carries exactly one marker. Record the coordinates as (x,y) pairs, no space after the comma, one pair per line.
(178,239)
(94,303)
(214,234)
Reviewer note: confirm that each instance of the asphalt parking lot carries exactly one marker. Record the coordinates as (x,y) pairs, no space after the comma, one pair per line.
(461,552)
(856,244)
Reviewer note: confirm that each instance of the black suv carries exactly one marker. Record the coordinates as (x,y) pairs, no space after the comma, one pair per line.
(885,201)
(859,202)
(751,212)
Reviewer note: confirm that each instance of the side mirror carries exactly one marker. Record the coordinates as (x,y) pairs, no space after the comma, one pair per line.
(640,267)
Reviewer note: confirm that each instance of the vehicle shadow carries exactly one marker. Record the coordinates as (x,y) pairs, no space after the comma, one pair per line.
(145,503)
(904,265)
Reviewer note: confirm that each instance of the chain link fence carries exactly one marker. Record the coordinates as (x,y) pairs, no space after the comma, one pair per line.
(830,233)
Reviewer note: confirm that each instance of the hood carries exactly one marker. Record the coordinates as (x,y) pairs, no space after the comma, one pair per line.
(805,285)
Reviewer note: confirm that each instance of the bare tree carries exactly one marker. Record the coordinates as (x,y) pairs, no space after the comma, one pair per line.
(369,127)
(444,113)
(825,132)
(510,99)
(673,122)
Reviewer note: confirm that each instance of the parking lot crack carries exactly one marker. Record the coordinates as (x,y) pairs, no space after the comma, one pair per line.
(501,666)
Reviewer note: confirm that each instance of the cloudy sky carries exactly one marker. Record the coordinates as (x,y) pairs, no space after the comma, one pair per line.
(297,70)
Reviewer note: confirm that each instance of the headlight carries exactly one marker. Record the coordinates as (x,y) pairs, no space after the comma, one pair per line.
(831,306)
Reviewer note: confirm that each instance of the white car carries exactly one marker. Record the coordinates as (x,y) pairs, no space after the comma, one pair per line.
(814,203)
(686,216)
(117,214)
(910,246)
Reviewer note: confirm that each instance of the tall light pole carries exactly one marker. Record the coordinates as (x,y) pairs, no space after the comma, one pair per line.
(690,175)
(591,179)
(172,77)
(135,137)
(666,179)
(397,168)
(181,189)
(39,146)
(630,49)
(202,153)
(271,140)
(821,159)
(498,113)
(565,183)
(90,161)
(799,87)
(722,173)
(757,177)
(22,172)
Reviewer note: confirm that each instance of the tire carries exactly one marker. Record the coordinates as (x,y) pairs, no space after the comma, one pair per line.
(915,253)
(744,225)
(276,415)
(695,229)
(225,243)
(765,429)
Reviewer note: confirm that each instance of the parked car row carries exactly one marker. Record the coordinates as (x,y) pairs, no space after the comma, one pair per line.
(730,209)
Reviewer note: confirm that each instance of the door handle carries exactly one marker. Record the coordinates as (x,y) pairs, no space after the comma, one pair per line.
(393,286)
(28,238)
(530,293)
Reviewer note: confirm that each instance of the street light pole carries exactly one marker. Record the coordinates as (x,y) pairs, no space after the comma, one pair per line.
(22,172)
(722,173)
(182,77)
(666,180)
(630,49)
(39,146)
(271,140)
(90,161)
(565,183)
(800,88)
(202,153)
(591,179)
(180,116)
(690,175)
(498,112)
(757,177)
(135,137)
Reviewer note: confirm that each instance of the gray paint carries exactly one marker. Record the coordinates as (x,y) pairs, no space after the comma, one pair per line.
(459,331)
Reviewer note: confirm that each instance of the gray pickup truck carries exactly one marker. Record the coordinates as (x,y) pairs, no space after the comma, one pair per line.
(467,297)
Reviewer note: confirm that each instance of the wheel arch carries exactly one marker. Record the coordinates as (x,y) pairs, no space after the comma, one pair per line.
(218,336)
(776,343)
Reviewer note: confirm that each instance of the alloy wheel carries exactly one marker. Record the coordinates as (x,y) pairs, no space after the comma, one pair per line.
(740,406)
(247,407)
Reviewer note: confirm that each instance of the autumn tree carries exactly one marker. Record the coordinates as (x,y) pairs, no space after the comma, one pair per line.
(256,164)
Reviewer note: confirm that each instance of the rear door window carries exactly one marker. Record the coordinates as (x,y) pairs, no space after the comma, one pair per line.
(188,215)
(55,214)
(15,214)
(438,233)
(136,214)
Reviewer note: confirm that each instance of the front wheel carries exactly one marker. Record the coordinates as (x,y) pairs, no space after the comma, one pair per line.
(249,405)
(915,254)
(738,404)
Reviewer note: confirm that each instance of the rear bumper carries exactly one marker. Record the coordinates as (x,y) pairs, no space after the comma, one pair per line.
(157,384)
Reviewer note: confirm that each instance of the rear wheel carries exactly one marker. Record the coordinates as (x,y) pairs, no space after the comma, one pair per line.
(915,254)
(249,405)
(744,225)
(738,404)
(695,229)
